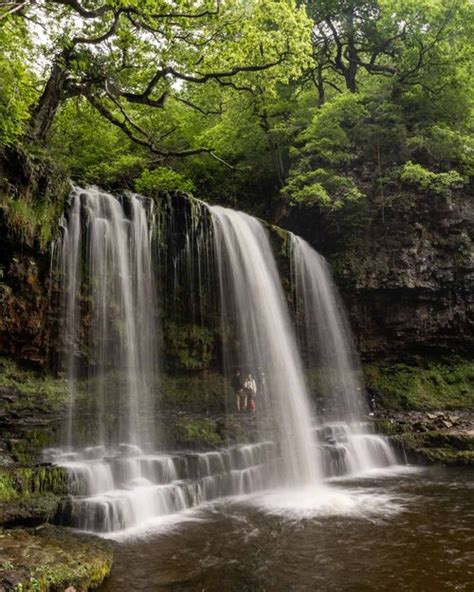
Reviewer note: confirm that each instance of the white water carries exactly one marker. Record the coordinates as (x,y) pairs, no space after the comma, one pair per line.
(327,341)
(121,489)
(251,293)
(118,482)
(106,260)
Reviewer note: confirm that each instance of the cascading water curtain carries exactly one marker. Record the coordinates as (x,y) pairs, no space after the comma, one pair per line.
(253,305)
(325,335)
(108,320)
(330,355)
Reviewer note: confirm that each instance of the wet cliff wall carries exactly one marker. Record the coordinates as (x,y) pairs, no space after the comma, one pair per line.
(406,273)
(32,194)
(407,280)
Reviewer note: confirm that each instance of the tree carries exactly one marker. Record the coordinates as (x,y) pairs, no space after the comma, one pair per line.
(128,58)
(401,40)
(17,90)
(349,35)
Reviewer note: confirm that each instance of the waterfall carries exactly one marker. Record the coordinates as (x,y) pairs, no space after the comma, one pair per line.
(327,342)
(108,316)
(252,300)
(132,489)
(220,265)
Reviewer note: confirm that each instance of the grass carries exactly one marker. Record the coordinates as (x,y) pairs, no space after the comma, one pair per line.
(430,385)
(37,389)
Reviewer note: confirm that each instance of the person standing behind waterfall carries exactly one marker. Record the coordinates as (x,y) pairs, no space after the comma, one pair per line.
(251,390)
(238,387)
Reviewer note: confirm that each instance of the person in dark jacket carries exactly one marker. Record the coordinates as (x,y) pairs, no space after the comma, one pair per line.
(237,384)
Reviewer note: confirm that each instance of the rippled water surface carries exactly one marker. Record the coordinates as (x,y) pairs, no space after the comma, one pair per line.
(407,531)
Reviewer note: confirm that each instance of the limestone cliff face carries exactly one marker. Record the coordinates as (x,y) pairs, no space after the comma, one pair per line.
(407,277)
(32,194)
(24,302)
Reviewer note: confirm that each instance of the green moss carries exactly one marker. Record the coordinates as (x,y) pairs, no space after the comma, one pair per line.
(7,488)
(439,447)
(447,456)
(38,390)
(194,392)
(23,482)
(197,433)
(32,220)
(32,195)
(53,559)
(280,240)
(192,346)
(435,385)
(385,426)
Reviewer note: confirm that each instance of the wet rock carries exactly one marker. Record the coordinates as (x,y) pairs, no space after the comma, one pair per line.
(32,511)
(409,288)
(30,495)
(431,437)
(446,423)
(52,559)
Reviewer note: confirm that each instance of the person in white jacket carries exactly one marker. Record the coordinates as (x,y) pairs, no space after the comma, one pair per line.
(250,386)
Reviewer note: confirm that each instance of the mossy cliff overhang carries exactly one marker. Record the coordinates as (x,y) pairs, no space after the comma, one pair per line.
(33,190)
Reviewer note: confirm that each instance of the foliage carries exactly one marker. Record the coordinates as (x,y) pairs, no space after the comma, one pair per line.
(91,149)
(327,104)
(38,391)
(441,183)
(164,179)
(31,219)
(198,433)
(17,81)
(192,345)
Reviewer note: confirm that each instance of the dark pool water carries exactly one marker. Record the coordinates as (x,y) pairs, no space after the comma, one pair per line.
(405,532)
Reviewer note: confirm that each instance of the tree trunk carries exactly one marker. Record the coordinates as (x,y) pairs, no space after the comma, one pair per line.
(43,113)
(319,82)
(352,67)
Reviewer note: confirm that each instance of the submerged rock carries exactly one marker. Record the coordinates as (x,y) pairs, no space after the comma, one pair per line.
(53,559)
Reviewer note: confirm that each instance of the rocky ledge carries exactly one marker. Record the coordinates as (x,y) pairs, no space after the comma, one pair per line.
(52,559)
(444,437)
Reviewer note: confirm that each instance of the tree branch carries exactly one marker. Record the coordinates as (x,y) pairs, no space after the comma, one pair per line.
(107,114)
(197,107)
(88,14)
(104,37)
(16,8)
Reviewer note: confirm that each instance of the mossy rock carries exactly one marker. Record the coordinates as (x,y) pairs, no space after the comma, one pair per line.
(195,392)
(190,346)
(28,389)
(52,559)
(30,495)
(204,433)
(29,511)
(438,447)
(198,434)
(447,456)
(21,482)
(427,386)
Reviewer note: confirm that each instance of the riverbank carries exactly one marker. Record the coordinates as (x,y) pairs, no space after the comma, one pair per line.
(440,437)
